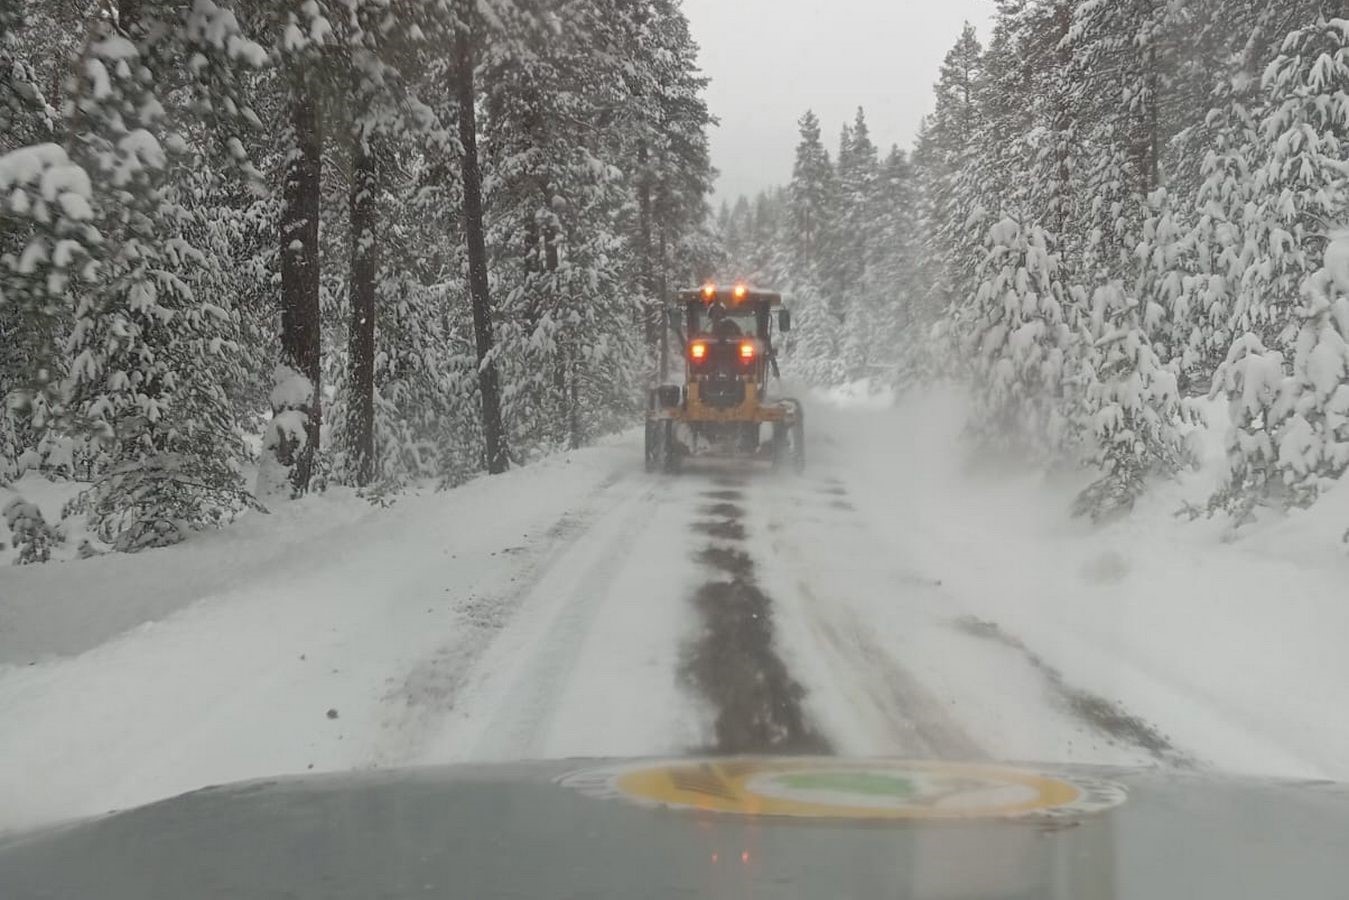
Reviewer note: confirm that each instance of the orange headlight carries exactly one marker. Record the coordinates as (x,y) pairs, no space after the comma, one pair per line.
(698,351)
(747,350)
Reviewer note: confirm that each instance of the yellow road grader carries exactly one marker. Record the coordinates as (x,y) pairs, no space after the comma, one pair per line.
(724,407)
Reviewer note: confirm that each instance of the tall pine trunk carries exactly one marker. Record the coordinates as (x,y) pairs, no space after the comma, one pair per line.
(563,369)
(489,384)
(361,332)
(646,271)
(300,331)
(662,291)
(575,432)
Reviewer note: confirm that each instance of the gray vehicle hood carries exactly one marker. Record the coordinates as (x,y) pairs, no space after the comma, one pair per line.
(761,828)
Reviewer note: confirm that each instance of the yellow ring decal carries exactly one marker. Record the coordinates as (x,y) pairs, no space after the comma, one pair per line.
(851,789)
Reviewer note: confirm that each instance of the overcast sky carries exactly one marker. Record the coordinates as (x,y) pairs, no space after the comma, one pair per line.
(770,60)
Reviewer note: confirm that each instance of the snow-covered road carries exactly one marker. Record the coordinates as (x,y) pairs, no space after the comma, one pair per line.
(892,600)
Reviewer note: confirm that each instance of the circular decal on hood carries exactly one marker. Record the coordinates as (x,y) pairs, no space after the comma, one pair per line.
(851,789)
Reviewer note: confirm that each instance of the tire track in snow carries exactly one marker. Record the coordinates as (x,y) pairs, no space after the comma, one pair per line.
(1108,717)
(883,699)
(524,672)
(419,703)
(911,720)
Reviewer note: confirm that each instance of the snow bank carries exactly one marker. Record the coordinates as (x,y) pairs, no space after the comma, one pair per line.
(129,678)
(1232,645)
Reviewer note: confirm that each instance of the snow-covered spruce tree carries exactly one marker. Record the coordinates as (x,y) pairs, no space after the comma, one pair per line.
(1202,331)
(1299,182)
(1016,335)
(1314,444)
(29,317)
(675,124)
(1051,193)
(427,414)
(25,116)
(890,283)
(661,128)
(32,537)
(1133,403)
(813,194)
(1164,286)
(925,351)
(1301,192)
(1292,437)
(25,329)
(1126,403)
(148,353)
(996,174)
(569,342)
(372,75)
(1131,268)
(1217,104)
(959,220)
(815,351)
(52,243)
(855,257)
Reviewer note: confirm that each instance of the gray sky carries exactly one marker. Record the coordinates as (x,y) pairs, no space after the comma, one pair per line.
(770,60)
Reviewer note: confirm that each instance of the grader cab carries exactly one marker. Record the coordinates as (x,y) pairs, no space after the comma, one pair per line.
(725,405)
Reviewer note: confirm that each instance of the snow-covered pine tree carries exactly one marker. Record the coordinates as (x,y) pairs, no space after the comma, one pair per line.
(996,174)
(1291,436)
(1219,104)
(1016,335)
(1131,269)
(51,241)
(662,126)
(813,193)
(29,319)
(25,116)
(930,335)
(1202,332)
(899,326)
(1132,404)
(1044,39)
(1312,417)
(1299,180)
(573,339)
(855,256)
(32,537)
(958,222)
(145,382)
(1301,192)
(378,66)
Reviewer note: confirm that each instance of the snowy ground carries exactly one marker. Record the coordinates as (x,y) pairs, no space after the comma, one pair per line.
(899,598)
